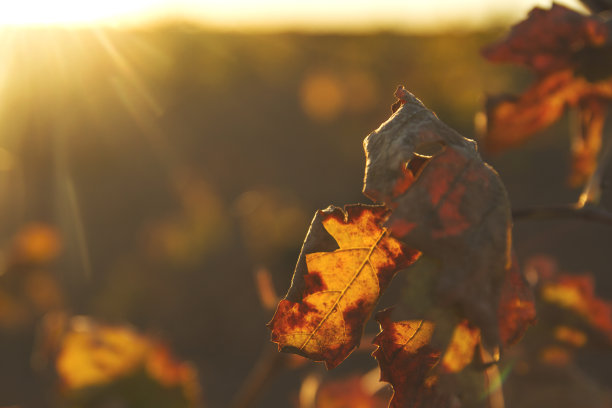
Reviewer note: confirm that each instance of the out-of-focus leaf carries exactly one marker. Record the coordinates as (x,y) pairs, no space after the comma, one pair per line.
(349,392)
(570,336)
(516,307)
(573,317)
(460,350)
(542,367)
(547,39)
(346,262)
(455,209)
(571,54)
(92,354)
(577,294)
(37,243)
(512,120)
(104,359)
(27,289)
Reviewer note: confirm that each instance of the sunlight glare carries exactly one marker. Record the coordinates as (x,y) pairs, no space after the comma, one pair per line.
(71,12)
(404,15)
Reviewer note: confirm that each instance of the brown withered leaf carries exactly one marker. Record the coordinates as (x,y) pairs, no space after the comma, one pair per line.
(571,54)
(438,199)
(406,361)
(516,310)
(512,120)
(413,366)
(449,204)
(547,40)
(346,262)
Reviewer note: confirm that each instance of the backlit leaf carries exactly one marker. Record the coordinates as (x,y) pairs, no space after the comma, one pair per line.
(96,359)
(438,199)
(516,307)
(455,209)
(460,351)
(512,120)
(413,366)
(91,354)
(334,292)
(406,360)
(571,54)
(546,40)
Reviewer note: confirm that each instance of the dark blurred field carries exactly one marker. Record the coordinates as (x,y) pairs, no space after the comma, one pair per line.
(175,161)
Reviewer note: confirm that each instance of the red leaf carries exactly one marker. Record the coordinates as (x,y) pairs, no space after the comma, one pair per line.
(516,307)
(547,40)
(406,360)
(572,56)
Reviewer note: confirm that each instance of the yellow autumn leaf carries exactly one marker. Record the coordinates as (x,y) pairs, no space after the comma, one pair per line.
(323,315)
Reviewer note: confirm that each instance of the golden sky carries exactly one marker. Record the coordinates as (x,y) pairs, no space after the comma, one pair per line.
(409,15)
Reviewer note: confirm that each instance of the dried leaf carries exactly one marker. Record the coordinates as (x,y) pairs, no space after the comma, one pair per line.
(440,199)
(512,120)
(516,309)
(547,40)
(571,55)
(347,261)
(406,361)
(455,210)
(413,366)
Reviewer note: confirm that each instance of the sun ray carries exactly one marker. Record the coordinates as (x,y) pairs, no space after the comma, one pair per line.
(139,102)
(70,212)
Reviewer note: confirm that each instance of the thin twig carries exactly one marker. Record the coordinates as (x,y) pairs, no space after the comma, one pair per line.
(586,213)
(591,192)
(270,363)
(492,378)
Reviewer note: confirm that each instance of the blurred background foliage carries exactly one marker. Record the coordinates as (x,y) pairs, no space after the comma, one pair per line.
(146,174)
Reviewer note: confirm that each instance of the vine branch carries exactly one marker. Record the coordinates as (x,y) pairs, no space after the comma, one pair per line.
(586,213)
